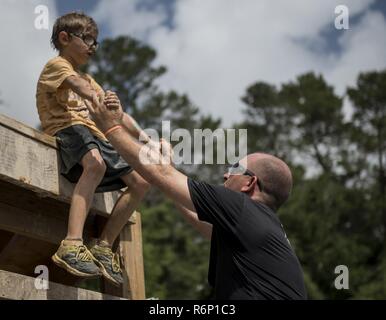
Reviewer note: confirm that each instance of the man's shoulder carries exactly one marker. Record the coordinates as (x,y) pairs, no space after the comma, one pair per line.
(220,192)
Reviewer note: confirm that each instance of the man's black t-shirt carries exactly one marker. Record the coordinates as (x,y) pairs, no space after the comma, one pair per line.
(250,257)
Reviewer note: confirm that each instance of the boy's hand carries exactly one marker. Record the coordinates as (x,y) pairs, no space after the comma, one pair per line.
(104,116)
(112,101)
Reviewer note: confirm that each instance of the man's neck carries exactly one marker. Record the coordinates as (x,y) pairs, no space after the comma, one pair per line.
(257,198)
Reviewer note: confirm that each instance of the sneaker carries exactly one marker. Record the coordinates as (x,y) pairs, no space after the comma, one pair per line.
(77,260)
(109,263)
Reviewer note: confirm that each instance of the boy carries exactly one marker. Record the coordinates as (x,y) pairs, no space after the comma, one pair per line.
(88,159)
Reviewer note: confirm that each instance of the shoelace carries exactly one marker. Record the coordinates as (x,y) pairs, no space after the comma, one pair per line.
(83,254)
(116,263)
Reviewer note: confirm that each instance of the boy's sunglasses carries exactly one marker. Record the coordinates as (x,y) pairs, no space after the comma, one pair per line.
(88,40)
(238,169)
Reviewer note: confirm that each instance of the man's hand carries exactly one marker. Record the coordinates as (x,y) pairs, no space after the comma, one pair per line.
(166,151)
(106,112)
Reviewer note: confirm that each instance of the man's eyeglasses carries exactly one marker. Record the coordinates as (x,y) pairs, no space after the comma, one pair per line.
(88,40)
(238,169)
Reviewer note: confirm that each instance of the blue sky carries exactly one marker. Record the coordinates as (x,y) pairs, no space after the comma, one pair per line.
(213,49)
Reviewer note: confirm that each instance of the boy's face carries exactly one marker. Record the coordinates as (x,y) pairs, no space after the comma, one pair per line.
(79,47)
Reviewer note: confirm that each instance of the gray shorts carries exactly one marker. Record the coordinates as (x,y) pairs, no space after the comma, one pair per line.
(74,142)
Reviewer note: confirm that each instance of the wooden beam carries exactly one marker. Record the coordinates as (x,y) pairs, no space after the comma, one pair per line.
(5,237)
(23,254)
(46,226)
(19,287)
(131,252)
(27,131)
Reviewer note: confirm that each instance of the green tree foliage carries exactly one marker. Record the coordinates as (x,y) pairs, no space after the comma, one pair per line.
(369,133)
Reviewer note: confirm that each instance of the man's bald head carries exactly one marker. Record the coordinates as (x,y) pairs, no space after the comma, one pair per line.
(274,175)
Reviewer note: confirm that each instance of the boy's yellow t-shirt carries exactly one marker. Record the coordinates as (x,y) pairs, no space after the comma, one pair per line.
(61,108)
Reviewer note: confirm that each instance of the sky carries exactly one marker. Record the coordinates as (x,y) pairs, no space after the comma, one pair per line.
(213,49)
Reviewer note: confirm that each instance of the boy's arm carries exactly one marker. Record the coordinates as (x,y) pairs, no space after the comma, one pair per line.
(81,87)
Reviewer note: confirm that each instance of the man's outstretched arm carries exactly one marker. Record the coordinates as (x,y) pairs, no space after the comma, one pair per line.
(164,176)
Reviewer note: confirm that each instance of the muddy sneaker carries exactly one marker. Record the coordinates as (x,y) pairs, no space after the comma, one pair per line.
(109,263)
(77,260)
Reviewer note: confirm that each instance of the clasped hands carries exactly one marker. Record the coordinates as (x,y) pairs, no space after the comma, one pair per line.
(107,112)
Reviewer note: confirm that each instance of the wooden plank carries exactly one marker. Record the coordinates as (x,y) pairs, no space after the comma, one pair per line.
(46,226)
(19,287)
(5,237)
(27,131)
(109,288)
(28,161)
(23,254)
(131,252)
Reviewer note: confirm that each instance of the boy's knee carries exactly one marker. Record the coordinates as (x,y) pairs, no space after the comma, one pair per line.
(95,166)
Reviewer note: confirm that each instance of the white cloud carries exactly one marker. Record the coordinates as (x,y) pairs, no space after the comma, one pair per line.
(24,50)
(118,16)
(219,47)
(364,50)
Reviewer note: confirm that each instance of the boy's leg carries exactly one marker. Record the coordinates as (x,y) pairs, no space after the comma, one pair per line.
(72,255)
(123,209)
(137,188)
(93,171)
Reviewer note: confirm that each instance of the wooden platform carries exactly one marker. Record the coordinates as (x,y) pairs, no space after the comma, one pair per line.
(34,205)
(18,287)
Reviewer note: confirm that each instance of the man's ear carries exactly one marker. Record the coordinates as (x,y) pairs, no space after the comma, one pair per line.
(250,186)
(64,38)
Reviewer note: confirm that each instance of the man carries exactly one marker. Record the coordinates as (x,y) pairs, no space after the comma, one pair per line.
(251,257)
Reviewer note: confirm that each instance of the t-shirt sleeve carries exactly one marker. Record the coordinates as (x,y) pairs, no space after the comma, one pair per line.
(54,75)
(216,204)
